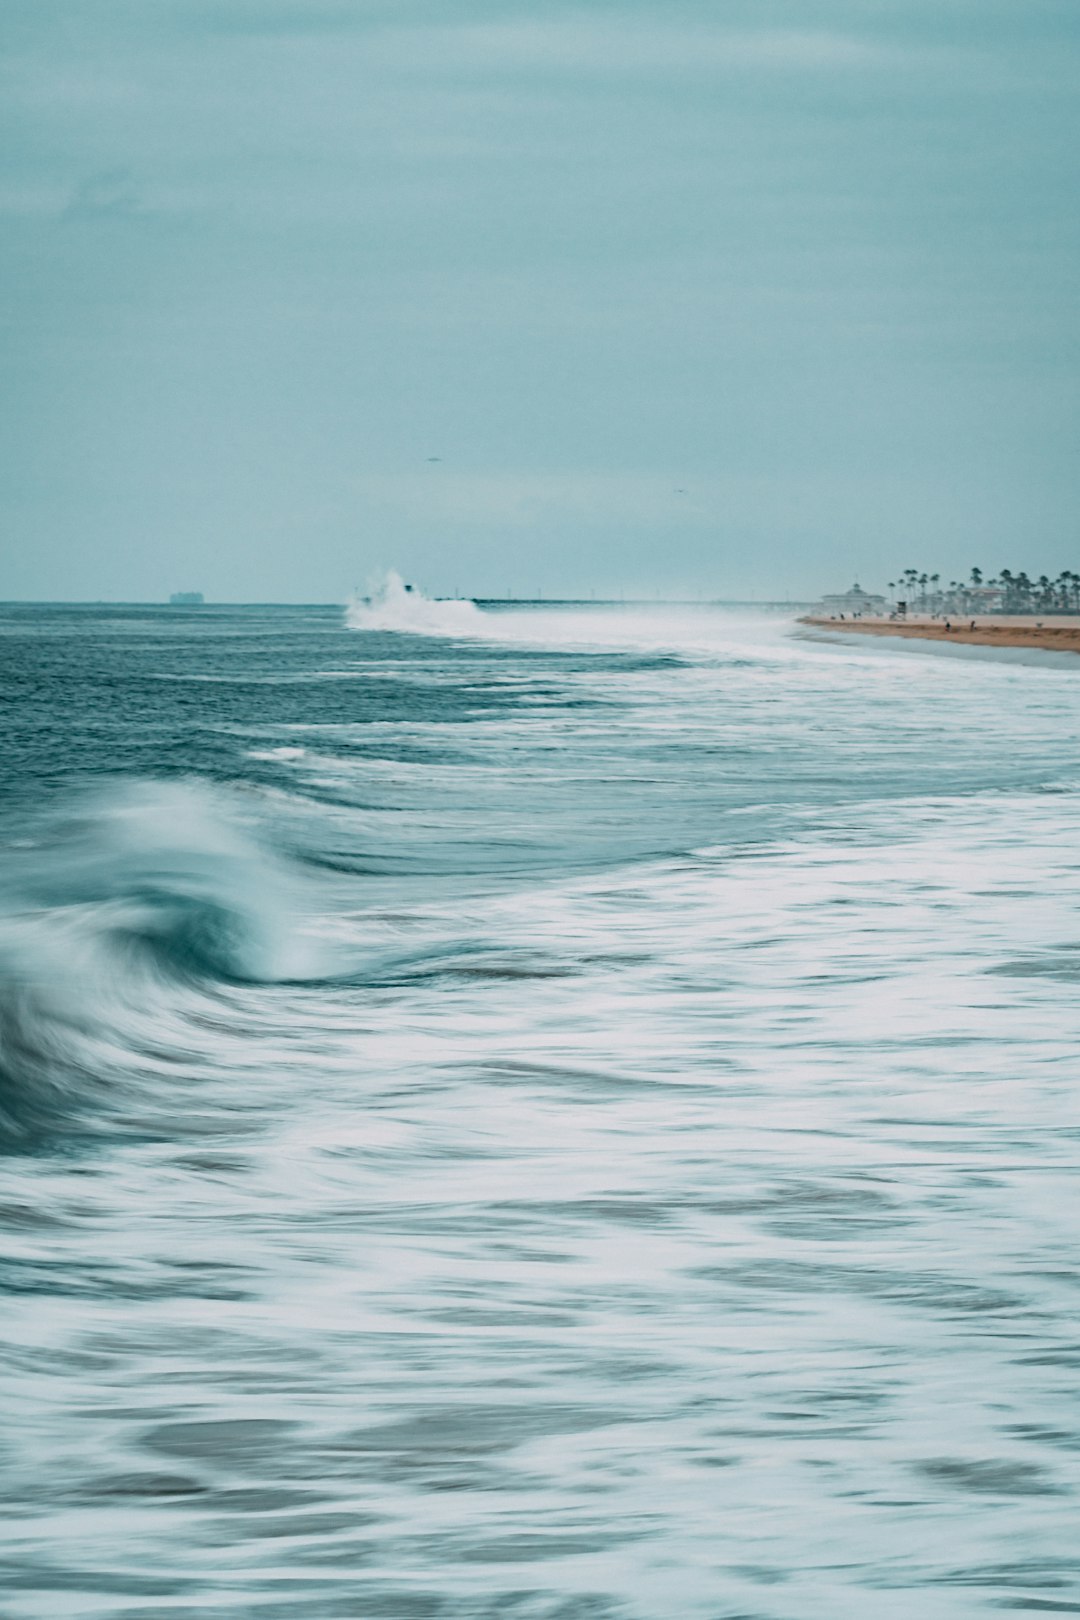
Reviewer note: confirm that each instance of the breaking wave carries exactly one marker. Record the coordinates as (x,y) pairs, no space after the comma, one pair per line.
(111,918)
(669,629)
(393,605)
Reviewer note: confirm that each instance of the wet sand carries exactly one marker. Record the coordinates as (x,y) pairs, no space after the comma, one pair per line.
(1061,633)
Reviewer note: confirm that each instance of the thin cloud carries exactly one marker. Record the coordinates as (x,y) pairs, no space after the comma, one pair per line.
(108,194)
(269,17)
(572,45)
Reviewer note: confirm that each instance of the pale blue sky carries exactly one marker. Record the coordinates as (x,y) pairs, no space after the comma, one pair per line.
(738,298)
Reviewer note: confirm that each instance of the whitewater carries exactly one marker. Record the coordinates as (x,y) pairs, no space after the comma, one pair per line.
(567,1113)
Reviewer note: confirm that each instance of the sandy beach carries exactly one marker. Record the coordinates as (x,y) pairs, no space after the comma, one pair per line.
(1059,633)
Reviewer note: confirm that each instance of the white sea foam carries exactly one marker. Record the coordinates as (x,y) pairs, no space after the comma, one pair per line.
(130,904)
(392,605)
(668,1211)
(662,627)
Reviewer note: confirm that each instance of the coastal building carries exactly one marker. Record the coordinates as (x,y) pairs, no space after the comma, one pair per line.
(854,603)
(983,598)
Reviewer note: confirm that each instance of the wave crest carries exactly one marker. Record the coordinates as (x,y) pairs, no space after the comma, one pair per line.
(393,605)
(107,917)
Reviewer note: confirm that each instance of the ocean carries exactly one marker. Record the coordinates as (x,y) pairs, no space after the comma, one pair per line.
(561,1113)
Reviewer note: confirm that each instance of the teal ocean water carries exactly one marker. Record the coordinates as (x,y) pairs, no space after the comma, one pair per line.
(556,1113)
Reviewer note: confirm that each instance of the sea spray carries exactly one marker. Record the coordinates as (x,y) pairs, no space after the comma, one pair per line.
(673,628)
(393,605)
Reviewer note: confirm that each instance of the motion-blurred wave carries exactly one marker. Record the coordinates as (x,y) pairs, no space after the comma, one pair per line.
(116,909)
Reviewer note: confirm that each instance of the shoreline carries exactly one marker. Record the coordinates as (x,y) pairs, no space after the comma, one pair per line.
(1001,631)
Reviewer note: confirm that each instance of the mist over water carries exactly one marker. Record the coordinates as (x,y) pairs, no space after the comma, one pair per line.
(393,605)
(534,1112)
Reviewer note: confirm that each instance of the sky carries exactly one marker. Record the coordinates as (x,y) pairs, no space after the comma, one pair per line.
(738,298)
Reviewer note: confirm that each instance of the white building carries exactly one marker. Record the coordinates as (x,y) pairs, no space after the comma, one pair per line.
(854,603)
